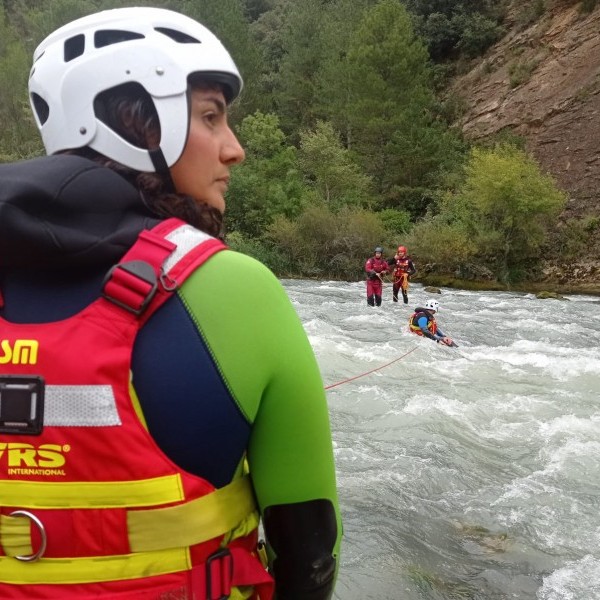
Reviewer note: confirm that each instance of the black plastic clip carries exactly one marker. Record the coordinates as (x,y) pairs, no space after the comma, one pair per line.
(130,277)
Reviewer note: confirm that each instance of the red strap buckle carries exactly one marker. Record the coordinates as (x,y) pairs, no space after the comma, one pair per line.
(219,573)
(131,285)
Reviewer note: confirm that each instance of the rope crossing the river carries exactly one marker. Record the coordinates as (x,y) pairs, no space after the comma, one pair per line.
(328,387)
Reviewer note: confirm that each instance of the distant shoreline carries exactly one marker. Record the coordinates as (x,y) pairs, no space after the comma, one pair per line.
(525,287)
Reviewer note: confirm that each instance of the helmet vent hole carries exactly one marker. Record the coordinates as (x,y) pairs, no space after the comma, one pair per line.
(177,36)
(74,47)
(42,109)
(107,37)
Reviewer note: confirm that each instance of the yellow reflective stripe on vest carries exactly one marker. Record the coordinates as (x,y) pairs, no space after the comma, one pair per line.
(15,535)
(193,522)
(97,569)
(97,494)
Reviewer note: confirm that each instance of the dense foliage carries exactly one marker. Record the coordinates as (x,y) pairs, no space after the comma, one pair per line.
(498,216)
(348,145)
(458,27)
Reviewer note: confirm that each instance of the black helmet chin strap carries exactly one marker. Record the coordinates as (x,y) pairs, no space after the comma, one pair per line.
(162,168)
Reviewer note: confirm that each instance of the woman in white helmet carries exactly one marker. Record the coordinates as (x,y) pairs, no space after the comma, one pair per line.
(118,438)
(423,322)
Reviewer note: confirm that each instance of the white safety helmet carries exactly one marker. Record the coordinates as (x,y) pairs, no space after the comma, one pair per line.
(432,305)
(153,47)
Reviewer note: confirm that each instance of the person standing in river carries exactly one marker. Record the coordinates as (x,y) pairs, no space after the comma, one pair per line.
(376,267)
(403,269)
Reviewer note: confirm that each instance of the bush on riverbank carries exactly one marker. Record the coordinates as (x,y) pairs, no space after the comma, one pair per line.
(498,218)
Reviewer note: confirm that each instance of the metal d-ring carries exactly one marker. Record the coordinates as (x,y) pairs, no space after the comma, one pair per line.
(36,555)
(169,284)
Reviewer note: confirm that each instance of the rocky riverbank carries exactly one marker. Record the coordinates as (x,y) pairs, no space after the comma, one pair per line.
(580,277)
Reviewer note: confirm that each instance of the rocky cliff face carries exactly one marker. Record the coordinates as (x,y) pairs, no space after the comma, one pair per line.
(542,82)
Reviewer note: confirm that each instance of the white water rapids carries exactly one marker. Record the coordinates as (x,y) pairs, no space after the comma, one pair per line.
(468,473)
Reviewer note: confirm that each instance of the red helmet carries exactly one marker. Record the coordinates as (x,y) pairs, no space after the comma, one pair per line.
(401,249)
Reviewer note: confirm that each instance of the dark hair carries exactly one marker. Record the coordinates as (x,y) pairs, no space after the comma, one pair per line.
(128,110)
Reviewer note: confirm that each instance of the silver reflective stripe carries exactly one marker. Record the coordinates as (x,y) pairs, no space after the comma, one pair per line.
(80,406)
(187,238)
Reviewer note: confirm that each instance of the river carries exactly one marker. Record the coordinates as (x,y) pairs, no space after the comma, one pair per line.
(468,473)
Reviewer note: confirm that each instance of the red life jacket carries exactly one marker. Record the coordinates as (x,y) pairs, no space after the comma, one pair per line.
(402,267)
(90,505)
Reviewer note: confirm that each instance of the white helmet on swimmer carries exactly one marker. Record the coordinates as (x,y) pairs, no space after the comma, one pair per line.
(432,304)
(152,47)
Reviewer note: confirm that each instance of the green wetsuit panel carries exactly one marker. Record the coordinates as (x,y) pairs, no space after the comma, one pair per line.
(263,353)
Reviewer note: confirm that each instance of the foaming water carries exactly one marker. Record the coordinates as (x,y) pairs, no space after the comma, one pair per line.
(466,473)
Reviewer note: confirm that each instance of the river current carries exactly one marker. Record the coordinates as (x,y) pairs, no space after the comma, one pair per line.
(468,473)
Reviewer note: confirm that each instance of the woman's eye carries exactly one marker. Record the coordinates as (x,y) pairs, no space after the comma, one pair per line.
(211,118)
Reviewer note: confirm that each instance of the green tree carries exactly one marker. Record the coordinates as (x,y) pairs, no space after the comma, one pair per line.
(478,33)
(322,243)
(295,81)
(268,182)
(391,105)
(339,22)
(35,20)
(256,8)
(18,136)
(446,238)
(337,178)
(397,222)
(499,217)
(515,205)
(452,28)
(227,20)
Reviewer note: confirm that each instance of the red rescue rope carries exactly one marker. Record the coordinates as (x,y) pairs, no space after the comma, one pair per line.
(371,371)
